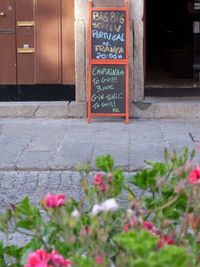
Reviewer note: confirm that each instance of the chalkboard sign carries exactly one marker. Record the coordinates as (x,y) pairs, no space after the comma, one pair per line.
(108,34)
(108,64)
(108,89)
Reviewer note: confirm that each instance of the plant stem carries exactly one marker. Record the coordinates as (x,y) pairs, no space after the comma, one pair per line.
(165,205)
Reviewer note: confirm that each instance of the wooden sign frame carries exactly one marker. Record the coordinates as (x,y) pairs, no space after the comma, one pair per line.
(92,61)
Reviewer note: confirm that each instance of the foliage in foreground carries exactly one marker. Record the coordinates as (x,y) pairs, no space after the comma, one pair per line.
(160,226)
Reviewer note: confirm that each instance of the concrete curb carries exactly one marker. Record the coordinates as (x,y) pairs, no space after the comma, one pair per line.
(53,110)
(170,109)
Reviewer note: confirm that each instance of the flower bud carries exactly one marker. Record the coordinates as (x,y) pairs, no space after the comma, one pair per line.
(193,220)
(110,177)
(98,179)
(179,188)
(160,182)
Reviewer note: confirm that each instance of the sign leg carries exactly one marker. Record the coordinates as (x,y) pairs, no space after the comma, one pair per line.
(89,119)
(127,118)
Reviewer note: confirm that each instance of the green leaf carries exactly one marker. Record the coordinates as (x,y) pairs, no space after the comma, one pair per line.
(141,263)
(2,260)
(118,181)
(27,224)
(105,163)
(192,155)
(63,248)
(145,178)
(26,208)
(172,256)
(8,215)
(81,261)
(50,233)
(167,190)
(12,251)
(139,242)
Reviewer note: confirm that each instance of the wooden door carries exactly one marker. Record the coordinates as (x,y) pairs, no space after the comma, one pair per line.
(7,42)
(37,42)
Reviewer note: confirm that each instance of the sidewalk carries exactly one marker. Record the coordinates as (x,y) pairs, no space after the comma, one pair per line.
(40,156)
(41,144)
(59,145)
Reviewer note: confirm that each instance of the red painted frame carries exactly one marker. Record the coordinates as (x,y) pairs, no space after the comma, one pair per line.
(108,62)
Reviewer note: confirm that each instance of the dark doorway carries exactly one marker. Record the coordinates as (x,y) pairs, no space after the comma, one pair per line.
(169,48)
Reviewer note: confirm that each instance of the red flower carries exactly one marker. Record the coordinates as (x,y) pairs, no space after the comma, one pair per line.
(39,258)
(126,228)
(58,259)
(98,179)
(147,225)
(87,228)
(160,243)
(194,176)
(103,187)
(164,239)
(99,259)
(53,201)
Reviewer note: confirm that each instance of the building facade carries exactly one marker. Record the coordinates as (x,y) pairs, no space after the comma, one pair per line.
(44,47)
(164,56)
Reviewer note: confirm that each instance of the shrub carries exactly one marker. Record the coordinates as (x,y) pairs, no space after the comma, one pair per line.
(158,227)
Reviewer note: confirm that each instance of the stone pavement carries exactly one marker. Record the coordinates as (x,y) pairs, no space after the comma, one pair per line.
(44,145)
(40,155)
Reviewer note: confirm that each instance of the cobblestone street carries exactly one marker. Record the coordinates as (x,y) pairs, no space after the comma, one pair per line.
(14,186)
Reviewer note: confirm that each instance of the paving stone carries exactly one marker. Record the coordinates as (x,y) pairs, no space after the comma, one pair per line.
(54,180)
(35,160)
(31,183)
(120,154)
(152,152)
(46,144)
(72,154)
(6,182)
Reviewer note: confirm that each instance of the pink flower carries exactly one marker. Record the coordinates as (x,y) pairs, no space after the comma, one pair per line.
(58,259)
(53,201)
(168,222)
(126,228)
(98,179)
(133,223)
(147,225)
(194,176)
(99,259)
(39,258)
